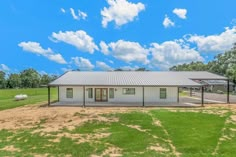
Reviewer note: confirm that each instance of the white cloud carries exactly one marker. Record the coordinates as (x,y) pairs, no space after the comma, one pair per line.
(103,66)
(129,68)
(80,39)
(171,53)
(66,69)
(72,11)
(63,10)
(128,51)
(104,48)
(3,67)
(80,15)
(214,43)
(36,48)
(121,12)
(83,63)
(167,22)
(181,13)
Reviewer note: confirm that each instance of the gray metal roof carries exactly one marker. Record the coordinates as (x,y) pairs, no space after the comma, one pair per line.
(216,82)
(133,78)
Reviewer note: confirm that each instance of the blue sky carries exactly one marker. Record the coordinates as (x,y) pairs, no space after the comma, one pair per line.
(55,36)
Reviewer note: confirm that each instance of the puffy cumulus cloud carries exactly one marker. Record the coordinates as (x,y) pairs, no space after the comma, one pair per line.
(181,13)
(104,48)
(103,66)
(4,67)
(214,43)
(128,51)
(171,53)
(121,12)
(79,15)
(82,63)
(167,22)
(80,39)
(36,48)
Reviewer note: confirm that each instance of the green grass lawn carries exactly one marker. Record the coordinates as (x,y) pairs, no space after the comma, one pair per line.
(35,95)
(155,132)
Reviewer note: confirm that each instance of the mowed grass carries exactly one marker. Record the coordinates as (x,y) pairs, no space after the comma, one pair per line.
(35,95)
(156,132)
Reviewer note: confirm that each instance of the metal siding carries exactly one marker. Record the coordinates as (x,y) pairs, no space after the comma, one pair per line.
(152,94)
(77,94)
(120,97)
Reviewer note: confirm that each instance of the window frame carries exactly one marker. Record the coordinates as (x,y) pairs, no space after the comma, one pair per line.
(131,91)
(161,93)
(69,93)
(111,93)
(90,93)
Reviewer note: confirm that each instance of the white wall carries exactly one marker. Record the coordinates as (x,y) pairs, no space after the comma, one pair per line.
(120,97)
(151,94)
(77,94)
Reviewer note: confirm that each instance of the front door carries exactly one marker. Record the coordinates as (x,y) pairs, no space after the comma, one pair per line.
(101,94)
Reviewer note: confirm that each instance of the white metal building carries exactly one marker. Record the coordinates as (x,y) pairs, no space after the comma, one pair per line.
(126,86)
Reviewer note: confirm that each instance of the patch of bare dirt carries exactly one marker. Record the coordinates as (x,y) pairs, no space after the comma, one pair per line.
(52,119)
(157,122)
(111,151)
(233,118)
(158,148)
(137,127)
(11,148)
(81,138)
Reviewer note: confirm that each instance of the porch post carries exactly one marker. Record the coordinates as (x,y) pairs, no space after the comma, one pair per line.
(178,95)
(143,97)
(202,96)
(83,96)
(191,92)
(49,96)
(228,91)
(58,94)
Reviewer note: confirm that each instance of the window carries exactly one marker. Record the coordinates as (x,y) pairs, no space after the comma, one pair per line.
(162,93)
(111,93)
(129,91)
(69,92)
(90,92)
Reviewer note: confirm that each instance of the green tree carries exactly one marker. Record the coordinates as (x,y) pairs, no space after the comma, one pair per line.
(193,66)
(141,69)
(14,81)
(30,78)
(2,79)
(45,79)
(223,64)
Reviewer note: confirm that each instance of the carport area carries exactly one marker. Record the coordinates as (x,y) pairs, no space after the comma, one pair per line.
(207,95)
(209,98)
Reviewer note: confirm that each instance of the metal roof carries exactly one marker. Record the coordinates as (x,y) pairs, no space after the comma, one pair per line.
(216,82)
(133,78)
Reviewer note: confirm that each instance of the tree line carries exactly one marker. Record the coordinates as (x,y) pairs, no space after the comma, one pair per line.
(28,78)
(223,64)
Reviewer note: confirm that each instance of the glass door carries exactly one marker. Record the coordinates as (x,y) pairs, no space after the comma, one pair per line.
(101,94)
(98,94)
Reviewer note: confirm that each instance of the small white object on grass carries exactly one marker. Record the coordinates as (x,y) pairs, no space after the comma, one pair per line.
(21,97)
